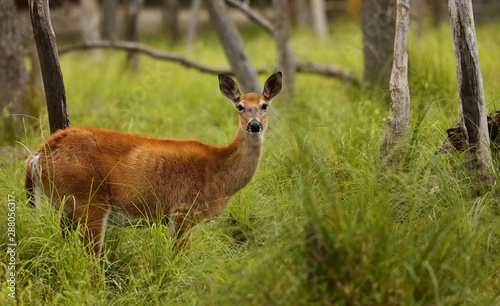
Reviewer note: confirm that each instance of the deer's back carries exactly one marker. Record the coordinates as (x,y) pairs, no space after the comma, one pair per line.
(130,172)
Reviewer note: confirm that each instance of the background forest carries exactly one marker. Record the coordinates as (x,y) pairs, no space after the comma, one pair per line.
(321,223)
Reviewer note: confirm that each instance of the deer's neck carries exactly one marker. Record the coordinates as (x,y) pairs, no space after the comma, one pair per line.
(240,160)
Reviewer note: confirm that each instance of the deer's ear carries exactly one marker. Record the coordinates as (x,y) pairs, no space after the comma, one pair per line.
(272,87)
(229,88)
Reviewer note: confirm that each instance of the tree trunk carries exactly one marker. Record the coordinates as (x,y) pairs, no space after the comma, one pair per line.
(89,20)
(378,19)
(131,18)
(286,59)
(470,87)
(192,27)
(398,121)
(233,45)
(319,19)
(13,76)
(109,19)
(170,12)
(45,39)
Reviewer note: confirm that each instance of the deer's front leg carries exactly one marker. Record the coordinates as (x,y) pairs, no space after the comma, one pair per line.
(181,223)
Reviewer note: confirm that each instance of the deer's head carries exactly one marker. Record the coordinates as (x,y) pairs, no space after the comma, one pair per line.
(252,107)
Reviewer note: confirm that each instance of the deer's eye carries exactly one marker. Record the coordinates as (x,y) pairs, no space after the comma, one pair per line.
(240,107)
(264,106)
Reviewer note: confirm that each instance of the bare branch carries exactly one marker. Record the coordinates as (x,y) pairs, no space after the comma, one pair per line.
(138,47)
(252,15)
(329,71)
(306,67)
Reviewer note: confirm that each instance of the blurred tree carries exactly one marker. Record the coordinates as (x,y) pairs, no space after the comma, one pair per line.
(170,13)
(109,24)
(286,58)
(192,27)
(378,21)
(319,19)
(233,46)
(90,18)
(13,77)
(133,9)
(478,159)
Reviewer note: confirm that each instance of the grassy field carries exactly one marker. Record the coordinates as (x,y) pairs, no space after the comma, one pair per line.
(319,224)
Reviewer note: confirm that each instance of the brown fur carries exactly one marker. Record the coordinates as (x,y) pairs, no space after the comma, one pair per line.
(96,172)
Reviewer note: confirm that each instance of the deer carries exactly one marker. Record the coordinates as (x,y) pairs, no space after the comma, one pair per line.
(98,176)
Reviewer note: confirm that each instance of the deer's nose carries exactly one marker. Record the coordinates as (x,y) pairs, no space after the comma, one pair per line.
(254,126)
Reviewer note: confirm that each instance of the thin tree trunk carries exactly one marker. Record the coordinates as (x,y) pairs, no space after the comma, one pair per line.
(109,19)
(192,27)
(134,7)
(89,19)
(170,12)
(286,58)
(53,82)
(378,20)
(319,19)
(398,121)
(233,46)
(478,159)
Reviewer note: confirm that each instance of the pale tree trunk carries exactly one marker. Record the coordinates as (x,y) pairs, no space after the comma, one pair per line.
(378,21)
(170,14)
(319,19)
(233,46)
(286,59)
(134,7)
(53,83)
(398,121)
(192,27)
(478,159)
(109,20)
(13,75)
(89,19)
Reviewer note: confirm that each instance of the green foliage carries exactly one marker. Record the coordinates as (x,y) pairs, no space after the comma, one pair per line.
(320,224)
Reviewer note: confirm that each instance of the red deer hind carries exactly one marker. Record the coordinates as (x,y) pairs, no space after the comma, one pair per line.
(102,175)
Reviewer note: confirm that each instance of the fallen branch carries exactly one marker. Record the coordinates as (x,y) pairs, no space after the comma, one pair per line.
(306,67)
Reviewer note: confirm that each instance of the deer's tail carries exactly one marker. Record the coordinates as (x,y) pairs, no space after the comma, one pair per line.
(32,180)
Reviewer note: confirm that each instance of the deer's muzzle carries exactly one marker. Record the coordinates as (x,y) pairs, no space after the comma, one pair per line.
(254,126)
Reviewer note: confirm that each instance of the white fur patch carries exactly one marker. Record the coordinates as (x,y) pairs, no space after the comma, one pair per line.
(35,175)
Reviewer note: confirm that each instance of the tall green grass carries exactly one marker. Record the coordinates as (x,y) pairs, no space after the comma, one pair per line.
(320,224)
